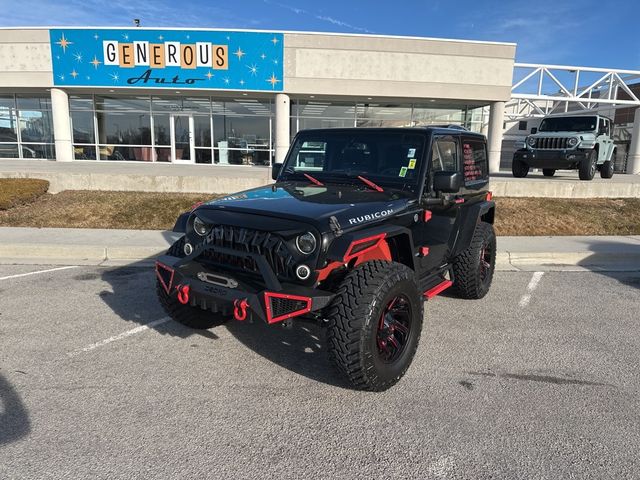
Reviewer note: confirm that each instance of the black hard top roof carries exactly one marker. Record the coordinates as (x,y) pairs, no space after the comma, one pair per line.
(423,130)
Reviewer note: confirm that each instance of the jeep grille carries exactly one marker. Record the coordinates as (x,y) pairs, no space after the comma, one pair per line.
(551,143)
(244,240)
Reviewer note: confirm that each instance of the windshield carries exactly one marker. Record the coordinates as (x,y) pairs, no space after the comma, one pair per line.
(386,158)
(568,124)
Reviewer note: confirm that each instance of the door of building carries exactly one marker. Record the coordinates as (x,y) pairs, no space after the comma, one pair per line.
(182,138)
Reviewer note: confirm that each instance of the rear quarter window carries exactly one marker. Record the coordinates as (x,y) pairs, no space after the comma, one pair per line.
(474,161)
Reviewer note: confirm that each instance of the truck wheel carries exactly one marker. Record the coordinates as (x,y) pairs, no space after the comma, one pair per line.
(548,172)
(187,315)
(473,268)
(519,168)
(588,166)
(375,321)
(606,170)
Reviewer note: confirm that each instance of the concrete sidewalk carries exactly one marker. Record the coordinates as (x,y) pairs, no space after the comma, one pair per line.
(60,246)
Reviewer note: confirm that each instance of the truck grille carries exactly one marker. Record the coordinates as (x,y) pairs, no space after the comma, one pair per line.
(244,240)
(551,143)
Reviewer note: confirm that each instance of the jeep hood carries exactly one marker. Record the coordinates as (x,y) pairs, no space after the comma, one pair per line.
(351,205)
(584,135)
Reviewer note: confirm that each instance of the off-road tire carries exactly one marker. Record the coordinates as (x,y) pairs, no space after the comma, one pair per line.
(588,166)
(469,280)
(519,168)
(606,170)
(355,316)
(187,315)
(548,172)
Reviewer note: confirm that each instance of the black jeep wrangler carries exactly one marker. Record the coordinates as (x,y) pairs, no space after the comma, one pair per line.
(361,226)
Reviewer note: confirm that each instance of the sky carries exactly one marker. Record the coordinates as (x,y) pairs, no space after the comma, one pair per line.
(562,32)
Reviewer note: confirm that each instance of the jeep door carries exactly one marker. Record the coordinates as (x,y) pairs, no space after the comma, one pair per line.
(436,233)
(604,139)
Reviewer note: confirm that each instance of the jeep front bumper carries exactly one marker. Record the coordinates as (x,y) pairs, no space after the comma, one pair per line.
(551,158)
(237,296)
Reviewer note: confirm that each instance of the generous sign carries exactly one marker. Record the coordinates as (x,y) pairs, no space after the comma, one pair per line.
(178,59)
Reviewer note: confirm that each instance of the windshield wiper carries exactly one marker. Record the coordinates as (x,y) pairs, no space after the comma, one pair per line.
(370,184)
(315,181)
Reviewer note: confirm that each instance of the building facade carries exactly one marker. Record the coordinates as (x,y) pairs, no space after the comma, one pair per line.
(231,97)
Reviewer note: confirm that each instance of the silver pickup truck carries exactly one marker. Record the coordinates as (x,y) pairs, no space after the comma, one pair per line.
(581,142)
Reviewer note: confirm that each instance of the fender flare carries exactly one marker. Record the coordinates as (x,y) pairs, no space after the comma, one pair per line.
(468,219)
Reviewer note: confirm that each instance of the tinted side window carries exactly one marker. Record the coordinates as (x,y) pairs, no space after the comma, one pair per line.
(444,155)
(474,156)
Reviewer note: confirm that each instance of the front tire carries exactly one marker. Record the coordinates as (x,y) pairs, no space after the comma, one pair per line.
(187,315)
(588,166)
(375,321)
(473,268)
(548,172)
(519,168)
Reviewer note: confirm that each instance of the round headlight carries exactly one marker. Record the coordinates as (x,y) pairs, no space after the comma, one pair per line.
(531,141)
(572,142)
(200,227)
(306,243)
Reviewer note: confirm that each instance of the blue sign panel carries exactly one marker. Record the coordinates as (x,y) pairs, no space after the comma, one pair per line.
(177,59)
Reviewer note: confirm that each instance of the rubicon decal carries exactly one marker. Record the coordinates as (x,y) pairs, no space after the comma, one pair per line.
(370,216)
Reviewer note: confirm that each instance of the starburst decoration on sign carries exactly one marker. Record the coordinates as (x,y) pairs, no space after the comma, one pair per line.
(61,77)
(209,75)
(78,57)
(64,43)
(275,41)
(275,62)
(273,80)
(96,36)
(242,82)
(114,76)
(239,53)
(74,74)
(188,37)
(160,37)
(88,77)
(263,56)
(253,69)
(125,36)
(226,80)
(95,62)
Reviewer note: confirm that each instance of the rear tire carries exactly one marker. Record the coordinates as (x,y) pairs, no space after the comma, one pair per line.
(187,315)
(519,168)
(548,172)
(606,170)
(375,321)
(473,268)
(588,166)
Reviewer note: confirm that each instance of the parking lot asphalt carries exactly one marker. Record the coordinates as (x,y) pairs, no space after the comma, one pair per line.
(538,380)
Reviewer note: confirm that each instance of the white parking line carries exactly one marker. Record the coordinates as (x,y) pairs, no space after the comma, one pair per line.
(120,336)
(533,284)
(37,272)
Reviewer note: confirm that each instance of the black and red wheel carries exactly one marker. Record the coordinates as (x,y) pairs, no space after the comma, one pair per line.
(473,268)
(375,321)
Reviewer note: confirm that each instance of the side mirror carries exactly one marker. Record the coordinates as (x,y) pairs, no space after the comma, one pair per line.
(447,182)
(534,130)
(275,170)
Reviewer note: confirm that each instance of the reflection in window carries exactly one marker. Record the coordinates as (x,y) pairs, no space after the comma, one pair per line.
(36,126)
(26,129)
(122,128)
(82,125)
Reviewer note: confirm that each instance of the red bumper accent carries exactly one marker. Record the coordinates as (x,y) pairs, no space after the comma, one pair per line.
(441,287)
(165,284)
(269,310)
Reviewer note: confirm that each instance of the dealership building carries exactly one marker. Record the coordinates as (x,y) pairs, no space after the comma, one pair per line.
(236,98)
(231,97)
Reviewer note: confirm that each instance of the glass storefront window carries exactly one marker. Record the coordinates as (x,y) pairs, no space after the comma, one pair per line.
(81,102)
(31,150)
(181,104)
(383,115)
(202,130)
(108,104)
(84,152)
(9,150)
(162,129)
(30,102)
(8,124)
(36,126)
(122,128)
(82,127)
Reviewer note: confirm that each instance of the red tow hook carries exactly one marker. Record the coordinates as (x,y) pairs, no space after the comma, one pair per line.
(183,294)
(240,309)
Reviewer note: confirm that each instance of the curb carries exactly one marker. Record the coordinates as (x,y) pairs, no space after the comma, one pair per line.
(144,256)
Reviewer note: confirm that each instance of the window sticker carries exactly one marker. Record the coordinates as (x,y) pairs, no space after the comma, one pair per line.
(412,164)
(403,172)
(411,153)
